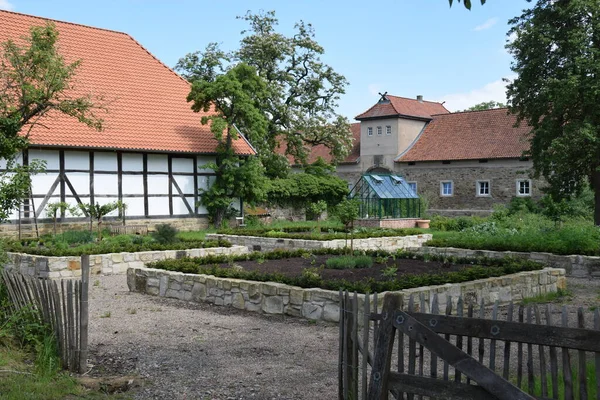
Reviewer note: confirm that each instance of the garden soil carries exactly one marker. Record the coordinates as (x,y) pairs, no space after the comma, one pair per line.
(183,350)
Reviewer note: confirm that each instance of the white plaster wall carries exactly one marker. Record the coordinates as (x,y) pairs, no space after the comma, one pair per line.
(80,182)
(158,163)
(182,165)
(77,160)
(158,184)
(135,206)
(41,183)
(158,206)
(106,184)
(203,160)
(132,162)
(185,183)
(133,184)
(50,156)
(104,161)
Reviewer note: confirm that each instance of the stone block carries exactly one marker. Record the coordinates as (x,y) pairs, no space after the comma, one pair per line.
(312,311)
(174,294)
(268,289)
(272,305)
(153,291)
(128,257)
(331,312)
(296,296)
(164,283)
(198,292)
(151,282)
(116,257)
(238,301)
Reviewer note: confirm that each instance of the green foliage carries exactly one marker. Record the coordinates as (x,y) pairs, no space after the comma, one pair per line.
(34,80)
(308,233)
(300,190)
(481,268)
(556,50)
(347,211)
(559,295)
(486,105)
(390,272)
(301,91)
(165,234)
(467,3)
(75,243)
(235,96)
(349,262)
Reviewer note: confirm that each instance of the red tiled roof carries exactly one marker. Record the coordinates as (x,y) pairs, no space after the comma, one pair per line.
(146,100)
(405,107)
(470,136)
(323,151)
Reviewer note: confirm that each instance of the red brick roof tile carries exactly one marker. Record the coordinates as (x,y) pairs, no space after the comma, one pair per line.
(146,100)
(402,106)
(469,136)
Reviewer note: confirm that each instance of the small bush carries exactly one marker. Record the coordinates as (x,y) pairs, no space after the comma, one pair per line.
(165,234)
(75,237)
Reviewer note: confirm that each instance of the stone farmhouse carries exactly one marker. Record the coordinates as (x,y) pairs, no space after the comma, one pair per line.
(463,162)
(152,145)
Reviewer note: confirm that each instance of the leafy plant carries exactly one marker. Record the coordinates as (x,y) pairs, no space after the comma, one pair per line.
(97,212)
(316,209)
(390,272)
(347,211)
(52,210)
(165,234)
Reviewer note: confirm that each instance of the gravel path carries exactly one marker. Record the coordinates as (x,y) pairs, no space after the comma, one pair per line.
(197,351)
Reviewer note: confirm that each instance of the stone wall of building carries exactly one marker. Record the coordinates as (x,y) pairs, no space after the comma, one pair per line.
(574,265)
(105,264)
(392,223)
(257,243)
(319,304)
(501,174)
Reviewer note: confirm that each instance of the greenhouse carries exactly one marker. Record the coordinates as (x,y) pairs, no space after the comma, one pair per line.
(386,196)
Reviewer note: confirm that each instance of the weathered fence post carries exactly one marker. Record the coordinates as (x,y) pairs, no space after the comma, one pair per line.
(84,316)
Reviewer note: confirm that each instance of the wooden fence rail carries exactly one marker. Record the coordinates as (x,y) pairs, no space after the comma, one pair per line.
(513,352)
(62,305)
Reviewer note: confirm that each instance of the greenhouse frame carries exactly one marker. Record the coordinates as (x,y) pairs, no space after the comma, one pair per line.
(385,197)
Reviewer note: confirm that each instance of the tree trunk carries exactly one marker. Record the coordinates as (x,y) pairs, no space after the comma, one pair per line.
(218,218)
(596,188)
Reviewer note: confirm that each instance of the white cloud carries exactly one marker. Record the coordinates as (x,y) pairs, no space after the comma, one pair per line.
(6,5)
(486,25)
(492,91)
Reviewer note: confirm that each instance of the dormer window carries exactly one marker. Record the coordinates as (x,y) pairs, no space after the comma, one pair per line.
(379,131)
(369,131)
(388,130)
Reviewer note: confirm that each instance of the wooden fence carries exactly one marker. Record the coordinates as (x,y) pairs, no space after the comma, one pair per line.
(62,305)
(517,352)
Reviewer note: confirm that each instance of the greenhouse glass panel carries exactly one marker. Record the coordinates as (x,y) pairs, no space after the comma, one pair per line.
(386,196)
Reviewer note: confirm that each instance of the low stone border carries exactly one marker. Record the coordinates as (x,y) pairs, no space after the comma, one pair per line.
(320,304)
(106,264)
(575,265)
(259,243)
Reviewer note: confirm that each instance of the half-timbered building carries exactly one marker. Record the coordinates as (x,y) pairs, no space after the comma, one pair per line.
(152,148)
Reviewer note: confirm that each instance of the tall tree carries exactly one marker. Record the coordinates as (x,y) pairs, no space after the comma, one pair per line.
(234,97)
(34,80)
(302,91)
(486,105)
(557,91)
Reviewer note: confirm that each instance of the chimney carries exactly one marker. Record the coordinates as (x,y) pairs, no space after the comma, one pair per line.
(420,98)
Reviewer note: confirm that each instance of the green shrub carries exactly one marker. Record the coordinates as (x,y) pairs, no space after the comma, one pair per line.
(75,237)
(165,234)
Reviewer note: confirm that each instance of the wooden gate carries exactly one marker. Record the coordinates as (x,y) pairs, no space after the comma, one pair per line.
(417,353)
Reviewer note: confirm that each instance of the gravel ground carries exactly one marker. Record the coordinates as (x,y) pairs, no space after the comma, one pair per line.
(197,351)
(185,350)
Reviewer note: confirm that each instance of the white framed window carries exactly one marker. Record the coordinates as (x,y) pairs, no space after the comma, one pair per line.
(388,130)
(369,131)
(483,188)
(446,188)
(379,131)
(523,187)
(413,186)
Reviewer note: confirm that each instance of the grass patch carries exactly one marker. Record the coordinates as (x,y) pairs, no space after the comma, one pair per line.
(550,297)
(349,262)
(537,383)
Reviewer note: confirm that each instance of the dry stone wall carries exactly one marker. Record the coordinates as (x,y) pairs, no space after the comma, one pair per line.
(320,304)
(257,243)
(105,264)
(575,265)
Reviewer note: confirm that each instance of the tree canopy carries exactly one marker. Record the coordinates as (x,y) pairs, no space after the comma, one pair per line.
(34,80)
(235,96)
(301,90)
(486,105)
(467,3)
(557,91)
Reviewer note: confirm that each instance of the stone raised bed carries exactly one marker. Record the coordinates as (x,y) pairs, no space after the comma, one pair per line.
(319,304)
(575,265)
(259,243)
(106,264)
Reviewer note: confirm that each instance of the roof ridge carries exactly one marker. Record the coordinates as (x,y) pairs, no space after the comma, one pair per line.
(100,29)
(471,111)
(422,101)
(64,22)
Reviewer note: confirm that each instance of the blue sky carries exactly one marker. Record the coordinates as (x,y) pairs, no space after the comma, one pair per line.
(404,47)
